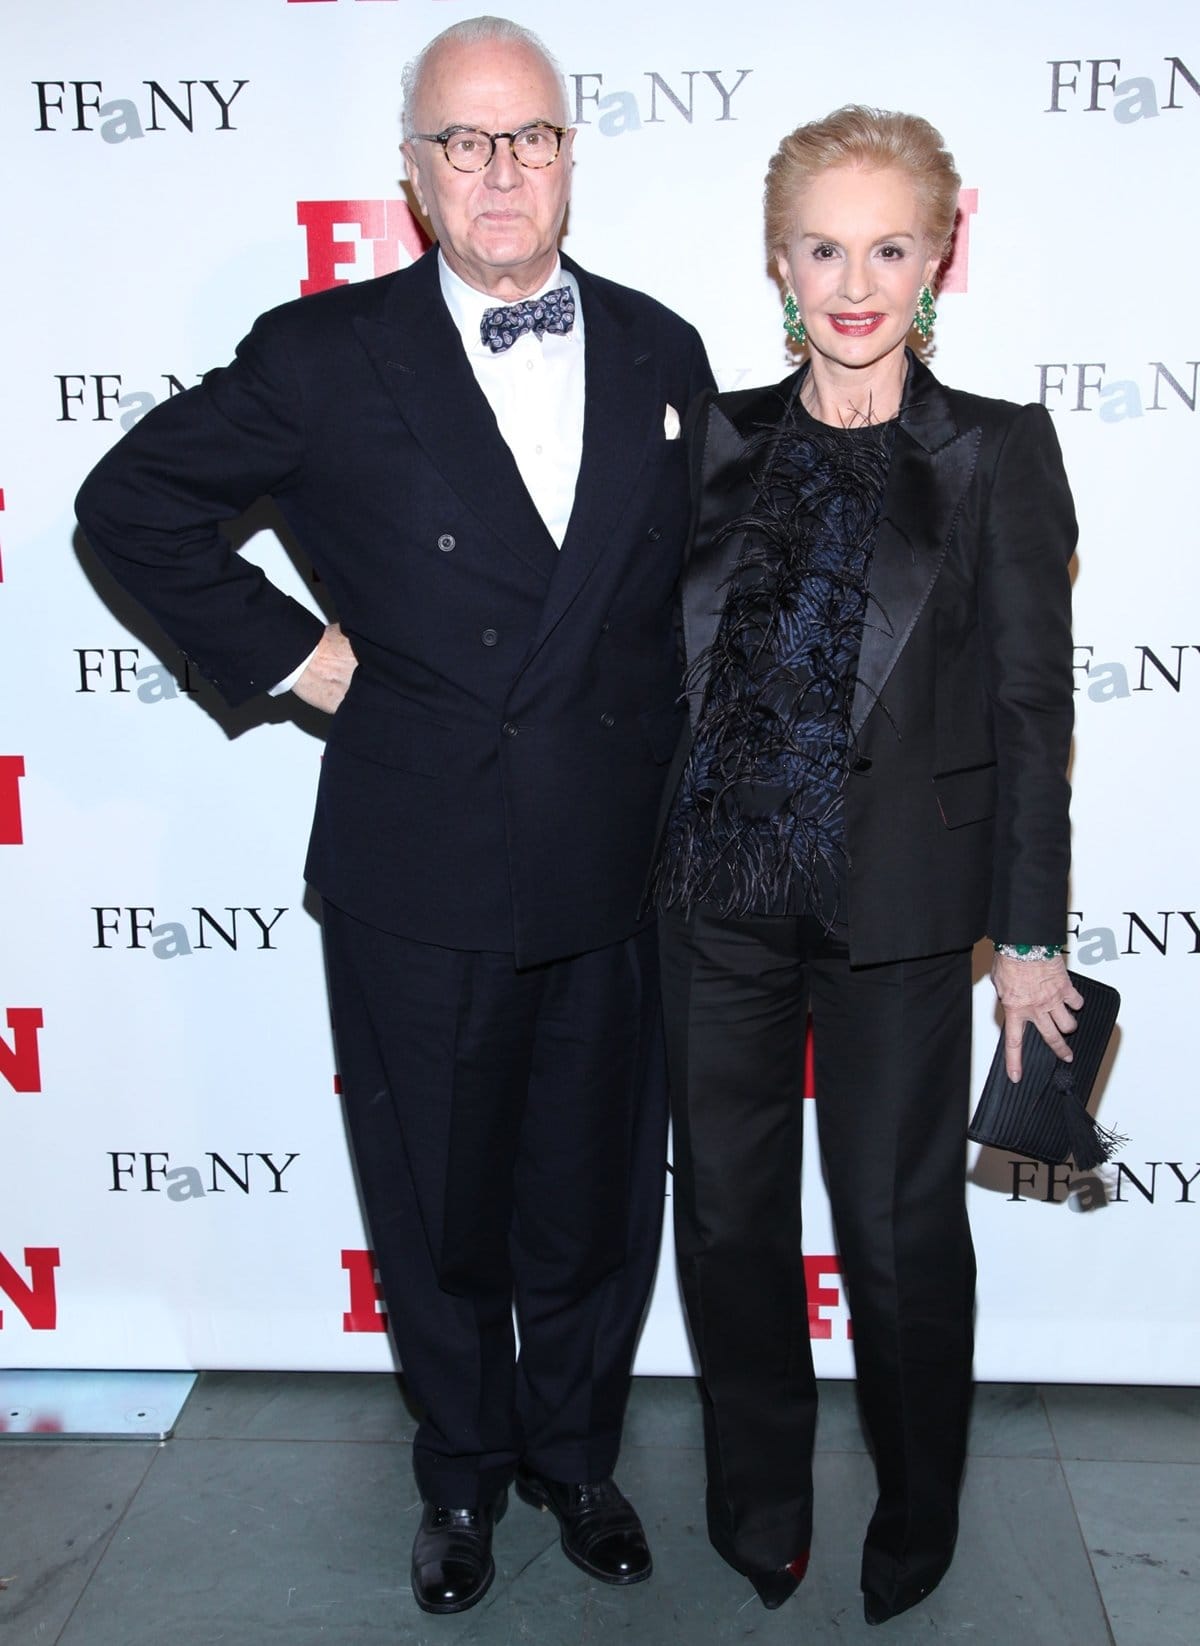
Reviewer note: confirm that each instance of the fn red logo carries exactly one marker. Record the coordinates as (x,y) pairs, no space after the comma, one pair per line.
(955,273)
(387,226)
(34,1298)
(12,770)
(20,1064)
(365,1313)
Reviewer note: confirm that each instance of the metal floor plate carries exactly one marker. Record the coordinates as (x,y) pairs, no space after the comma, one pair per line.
(47,1405)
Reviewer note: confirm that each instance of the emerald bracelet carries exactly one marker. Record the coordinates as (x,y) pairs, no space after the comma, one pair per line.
(1031,951)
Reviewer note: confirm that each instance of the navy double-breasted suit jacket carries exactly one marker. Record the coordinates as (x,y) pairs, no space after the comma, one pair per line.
(492,777)
(957,799)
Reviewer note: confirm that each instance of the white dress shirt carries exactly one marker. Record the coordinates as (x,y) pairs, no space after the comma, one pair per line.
(535,390)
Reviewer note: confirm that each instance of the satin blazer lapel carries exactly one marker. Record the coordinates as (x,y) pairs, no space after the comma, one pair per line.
(622,419)
(724,495)
(418,353)
(932,465)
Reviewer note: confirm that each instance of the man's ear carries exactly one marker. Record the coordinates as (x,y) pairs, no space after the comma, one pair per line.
(413,170)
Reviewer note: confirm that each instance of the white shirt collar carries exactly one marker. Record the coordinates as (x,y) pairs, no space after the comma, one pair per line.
(467,305)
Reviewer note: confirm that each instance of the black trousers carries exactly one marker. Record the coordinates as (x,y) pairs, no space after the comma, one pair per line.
(892,1056)
(509,1134)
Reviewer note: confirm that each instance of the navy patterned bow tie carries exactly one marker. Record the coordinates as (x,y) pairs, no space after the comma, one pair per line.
(553,311)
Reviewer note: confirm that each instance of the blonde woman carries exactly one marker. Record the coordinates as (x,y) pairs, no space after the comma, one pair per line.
(877,617)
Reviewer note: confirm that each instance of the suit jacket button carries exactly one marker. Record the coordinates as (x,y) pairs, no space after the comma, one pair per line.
(489,637)
(862,764)
(606,719)
(510,728)
(654,533)
(445,542)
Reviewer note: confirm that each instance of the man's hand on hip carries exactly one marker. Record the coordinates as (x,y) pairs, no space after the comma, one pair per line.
(325,681)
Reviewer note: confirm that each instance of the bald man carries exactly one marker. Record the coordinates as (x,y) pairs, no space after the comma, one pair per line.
(478,455)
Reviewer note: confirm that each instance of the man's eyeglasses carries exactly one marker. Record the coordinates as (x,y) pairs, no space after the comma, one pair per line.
(535,146)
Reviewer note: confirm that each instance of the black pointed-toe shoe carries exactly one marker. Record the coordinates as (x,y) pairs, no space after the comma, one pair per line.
(877,1609)
(452,1565)
(773,1588)
(600,1529)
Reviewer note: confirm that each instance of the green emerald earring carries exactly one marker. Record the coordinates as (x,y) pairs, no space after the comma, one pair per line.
(792,323)
(926,313)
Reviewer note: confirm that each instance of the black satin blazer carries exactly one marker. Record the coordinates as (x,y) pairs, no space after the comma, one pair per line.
(956,804)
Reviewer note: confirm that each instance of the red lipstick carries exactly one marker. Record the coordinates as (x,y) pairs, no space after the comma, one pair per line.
(855,325)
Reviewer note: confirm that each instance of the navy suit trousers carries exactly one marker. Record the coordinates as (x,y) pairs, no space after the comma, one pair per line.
(509,1133)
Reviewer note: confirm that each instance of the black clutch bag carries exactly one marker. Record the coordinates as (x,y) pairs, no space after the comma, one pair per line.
(1044,1114)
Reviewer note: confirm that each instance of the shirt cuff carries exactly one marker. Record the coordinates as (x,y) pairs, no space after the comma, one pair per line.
(286,684)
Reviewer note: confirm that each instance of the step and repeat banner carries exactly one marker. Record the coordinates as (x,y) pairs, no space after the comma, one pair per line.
(175,1189)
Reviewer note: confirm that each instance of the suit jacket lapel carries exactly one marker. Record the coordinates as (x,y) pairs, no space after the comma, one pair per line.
(724,494)
(622,421)
(418,353)
(932,465)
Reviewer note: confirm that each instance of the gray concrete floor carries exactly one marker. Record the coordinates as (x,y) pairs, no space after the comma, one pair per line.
(283,1510)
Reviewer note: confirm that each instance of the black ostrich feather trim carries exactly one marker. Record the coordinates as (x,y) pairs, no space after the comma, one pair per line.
(757,824)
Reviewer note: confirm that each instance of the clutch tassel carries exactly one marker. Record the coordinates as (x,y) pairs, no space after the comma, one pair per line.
(1091,1144)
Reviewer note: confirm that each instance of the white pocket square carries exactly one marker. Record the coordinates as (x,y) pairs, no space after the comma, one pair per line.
(671,423)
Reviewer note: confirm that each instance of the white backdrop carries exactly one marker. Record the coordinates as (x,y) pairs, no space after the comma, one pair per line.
(174,1184)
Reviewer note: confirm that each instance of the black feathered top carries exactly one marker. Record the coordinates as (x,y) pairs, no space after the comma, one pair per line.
(756,826)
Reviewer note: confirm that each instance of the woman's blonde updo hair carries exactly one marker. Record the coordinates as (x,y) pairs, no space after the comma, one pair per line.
(874,138)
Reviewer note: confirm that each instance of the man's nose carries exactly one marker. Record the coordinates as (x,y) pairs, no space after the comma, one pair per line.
(504,171)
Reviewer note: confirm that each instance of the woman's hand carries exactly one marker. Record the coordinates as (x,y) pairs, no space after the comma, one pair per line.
(325,681)
(1038,992)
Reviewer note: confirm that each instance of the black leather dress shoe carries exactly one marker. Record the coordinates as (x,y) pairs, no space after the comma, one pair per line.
(773,1588)
(452,1565)
(600,1529)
